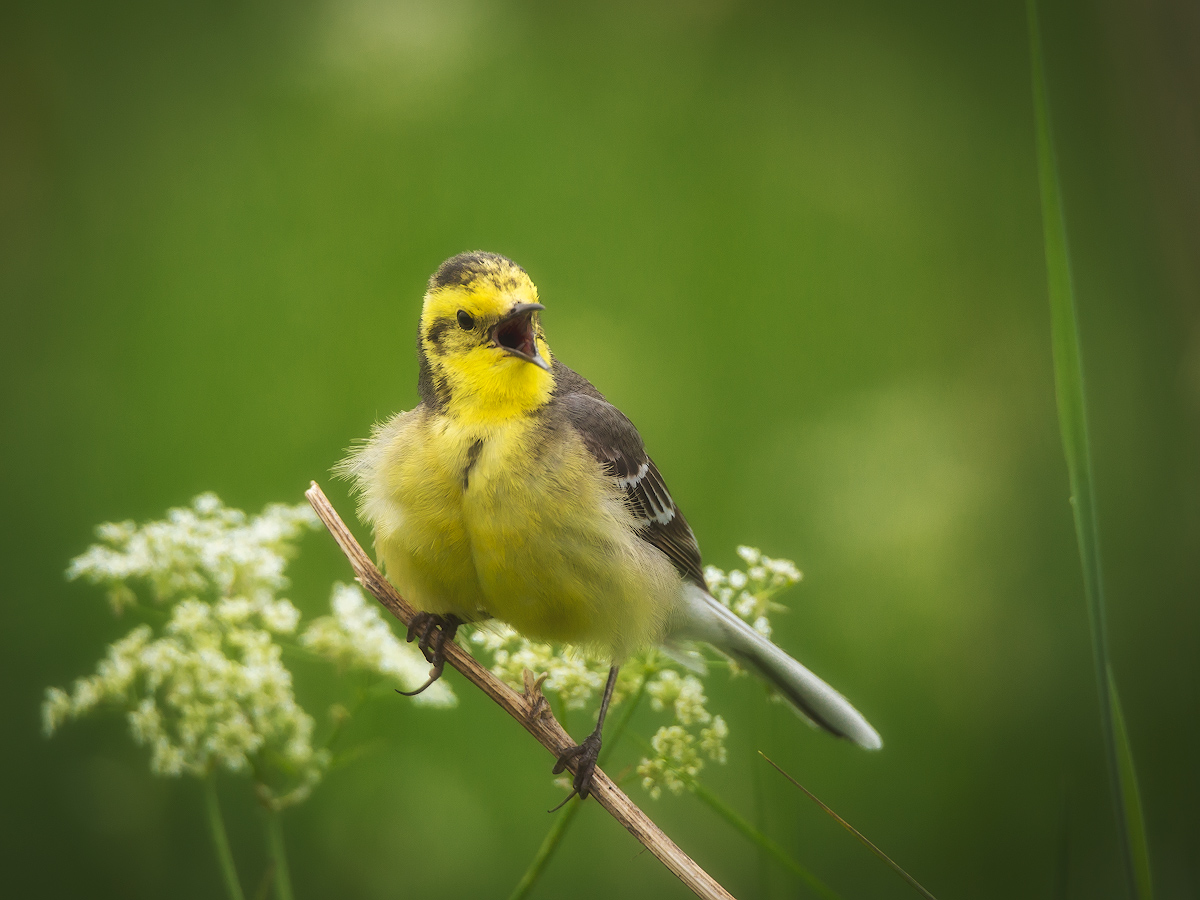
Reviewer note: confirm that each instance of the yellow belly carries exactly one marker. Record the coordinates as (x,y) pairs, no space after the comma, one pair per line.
(516,522)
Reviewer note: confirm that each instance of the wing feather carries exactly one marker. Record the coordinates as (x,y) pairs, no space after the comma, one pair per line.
(615,443)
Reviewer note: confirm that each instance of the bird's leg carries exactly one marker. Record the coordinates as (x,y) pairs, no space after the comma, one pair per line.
(431,631)
(589,751)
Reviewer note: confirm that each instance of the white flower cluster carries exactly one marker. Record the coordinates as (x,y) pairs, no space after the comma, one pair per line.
(570,675)
(676,757)
(207,549)
(679,753)
(211,691)
(356,636)
(750,593)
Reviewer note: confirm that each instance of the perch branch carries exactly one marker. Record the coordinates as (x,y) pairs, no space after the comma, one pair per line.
(530,708)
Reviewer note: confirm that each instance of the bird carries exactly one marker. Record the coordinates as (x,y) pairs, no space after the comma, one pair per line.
(515,491)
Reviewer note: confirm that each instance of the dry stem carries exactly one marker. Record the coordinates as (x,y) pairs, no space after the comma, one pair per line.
(530,708)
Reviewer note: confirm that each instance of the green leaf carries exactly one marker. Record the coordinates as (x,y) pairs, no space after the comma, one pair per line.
(1131,799)
(730,815)
(1072,419)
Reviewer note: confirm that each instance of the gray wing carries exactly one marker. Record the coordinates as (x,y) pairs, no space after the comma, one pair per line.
(615,443)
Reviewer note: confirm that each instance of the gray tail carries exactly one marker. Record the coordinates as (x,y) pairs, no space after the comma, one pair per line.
(707,620)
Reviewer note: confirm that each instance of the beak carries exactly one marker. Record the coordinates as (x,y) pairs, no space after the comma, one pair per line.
(514,334)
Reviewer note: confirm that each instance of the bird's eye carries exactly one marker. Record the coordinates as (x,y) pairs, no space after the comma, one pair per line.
(465,322)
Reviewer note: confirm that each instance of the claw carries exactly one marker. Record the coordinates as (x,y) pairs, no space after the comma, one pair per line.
(432,631)
(588,752)
(434,674)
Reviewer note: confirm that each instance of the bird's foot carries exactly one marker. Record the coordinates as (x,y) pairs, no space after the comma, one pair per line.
(586,753)
(431,631)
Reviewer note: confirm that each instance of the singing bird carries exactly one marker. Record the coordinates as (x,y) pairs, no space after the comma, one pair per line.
(515,491)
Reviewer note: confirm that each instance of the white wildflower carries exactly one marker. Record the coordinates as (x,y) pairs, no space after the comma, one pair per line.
(746,605)
(756,588)
(689,705)
(280,616)
(357,636)
(574,679)
(205,548)
(684,696)
(675,761)
(210,695)
(494,636)
(56,709)
(234,610)
(211,692)
(570,674)
(750,555)
(712,739)
(145,722)
(86,695)
(784,570)
(663,689)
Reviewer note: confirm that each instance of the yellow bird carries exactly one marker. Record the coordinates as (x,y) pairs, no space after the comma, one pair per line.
(515,491)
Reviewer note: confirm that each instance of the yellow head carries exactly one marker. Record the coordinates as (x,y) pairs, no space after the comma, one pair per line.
(483,355)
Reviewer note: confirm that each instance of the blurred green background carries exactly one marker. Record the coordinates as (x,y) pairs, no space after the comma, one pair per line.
(799,244)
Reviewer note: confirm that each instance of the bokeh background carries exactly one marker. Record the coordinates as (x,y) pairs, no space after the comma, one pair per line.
(798,243)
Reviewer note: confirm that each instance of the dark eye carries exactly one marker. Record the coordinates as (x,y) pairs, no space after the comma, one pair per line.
(465,322)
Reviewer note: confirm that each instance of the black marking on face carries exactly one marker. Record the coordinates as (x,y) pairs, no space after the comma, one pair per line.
(463,269)
(436,331)
(472,457)
(432,389)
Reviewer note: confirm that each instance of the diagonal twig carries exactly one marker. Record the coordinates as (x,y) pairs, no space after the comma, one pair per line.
(530,708)
(854,831)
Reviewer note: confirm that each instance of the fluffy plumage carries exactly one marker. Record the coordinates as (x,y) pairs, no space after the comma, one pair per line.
(514,490)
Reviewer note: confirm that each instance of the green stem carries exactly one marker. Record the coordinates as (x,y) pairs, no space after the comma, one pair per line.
(758,712)
(1072,418)
(364,694)
(283,880)
(1132,800)
(561,824)
(216,824)
(549,844)
(854,831)
(731,816)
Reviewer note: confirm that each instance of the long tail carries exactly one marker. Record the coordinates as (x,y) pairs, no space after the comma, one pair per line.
(706,619)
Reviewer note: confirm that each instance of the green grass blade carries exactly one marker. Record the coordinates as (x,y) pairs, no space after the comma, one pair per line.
(549,845)
(757,837)
(854,831)
(278,852)
(1072,418)
(216,826)
(567,815)
(1131,799)
(730,815)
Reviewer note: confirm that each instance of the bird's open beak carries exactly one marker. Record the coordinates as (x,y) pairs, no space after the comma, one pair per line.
(514,334)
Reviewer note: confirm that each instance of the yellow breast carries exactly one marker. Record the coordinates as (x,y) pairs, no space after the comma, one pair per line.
(517,521)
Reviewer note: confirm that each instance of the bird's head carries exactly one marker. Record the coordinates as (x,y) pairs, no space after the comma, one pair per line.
(483,353)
